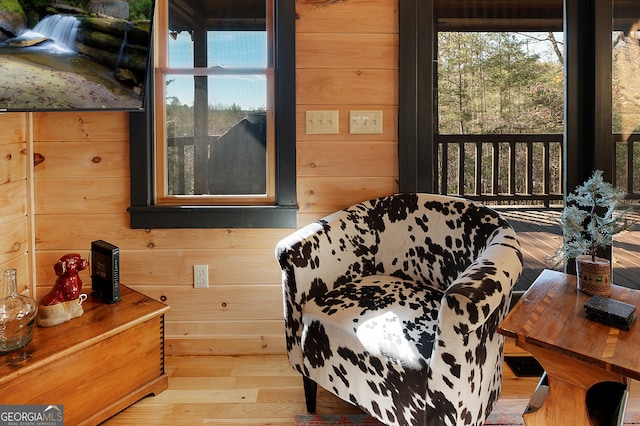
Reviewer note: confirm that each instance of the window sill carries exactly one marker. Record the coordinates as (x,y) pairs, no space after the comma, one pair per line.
(154,217)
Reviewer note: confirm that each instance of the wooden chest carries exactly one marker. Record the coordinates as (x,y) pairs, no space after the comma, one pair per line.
(95,365)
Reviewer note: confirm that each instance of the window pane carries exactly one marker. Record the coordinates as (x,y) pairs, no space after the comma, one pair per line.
(234,140)
(237,161)
(506,83)
(246,92)
(500,82)
(225,49)
(237,49)
(216,98)
(180,50)
(179,105)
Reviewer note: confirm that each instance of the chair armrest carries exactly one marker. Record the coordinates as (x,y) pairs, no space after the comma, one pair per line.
(467,357)
(318,258)
(485,285)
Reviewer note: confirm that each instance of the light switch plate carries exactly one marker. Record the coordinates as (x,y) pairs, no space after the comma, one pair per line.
(322,122)
(365,122)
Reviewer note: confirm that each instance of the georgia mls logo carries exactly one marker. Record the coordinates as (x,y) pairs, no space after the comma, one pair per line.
(31,415)
(55,411)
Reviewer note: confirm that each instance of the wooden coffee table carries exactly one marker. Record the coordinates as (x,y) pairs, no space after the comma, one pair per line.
(549,322)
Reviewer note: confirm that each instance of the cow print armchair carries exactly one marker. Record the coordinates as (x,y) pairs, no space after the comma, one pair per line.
(393,305)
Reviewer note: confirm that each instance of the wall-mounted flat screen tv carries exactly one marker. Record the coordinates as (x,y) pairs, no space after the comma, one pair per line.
(80,55)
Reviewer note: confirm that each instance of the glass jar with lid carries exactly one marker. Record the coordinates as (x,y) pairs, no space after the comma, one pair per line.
(17,315)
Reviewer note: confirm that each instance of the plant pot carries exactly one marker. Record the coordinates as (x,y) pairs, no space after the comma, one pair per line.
(594,277)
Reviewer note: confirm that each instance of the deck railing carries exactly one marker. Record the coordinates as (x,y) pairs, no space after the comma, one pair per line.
(502,169)
(520,168)
(626,154)
(181,168)
(497,169)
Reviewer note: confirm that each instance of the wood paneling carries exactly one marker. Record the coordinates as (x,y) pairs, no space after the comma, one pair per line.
(15,227)
(13,197)
(21,264)
(373,51)
(13,161)
(230,302)
(81,159)
(175,267)
(328,194)
(226,344)
(14,128)
(79,200)
(349,16)
(228,328)
(363,86)
(80,126)
(347,54)
(14,238)
(338,159)
(82,195)
(68,230)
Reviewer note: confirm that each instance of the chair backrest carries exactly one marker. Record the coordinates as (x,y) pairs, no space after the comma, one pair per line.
(423,237)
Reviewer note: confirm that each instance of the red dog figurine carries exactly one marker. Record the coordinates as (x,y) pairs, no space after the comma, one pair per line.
(68,284)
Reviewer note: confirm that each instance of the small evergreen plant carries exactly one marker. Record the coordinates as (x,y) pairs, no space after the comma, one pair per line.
(589,220)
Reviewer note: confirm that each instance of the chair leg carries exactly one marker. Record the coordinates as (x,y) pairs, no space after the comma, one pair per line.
(310,392)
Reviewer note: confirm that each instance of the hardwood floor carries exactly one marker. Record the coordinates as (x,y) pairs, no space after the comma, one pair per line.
(264,390)
(228,390)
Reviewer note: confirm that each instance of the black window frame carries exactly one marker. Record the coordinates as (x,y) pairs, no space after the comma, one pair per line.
(145,214)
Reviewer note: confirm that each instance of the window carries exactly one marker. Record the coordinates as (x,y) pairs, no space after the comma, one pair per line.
(586,137)
(218,136)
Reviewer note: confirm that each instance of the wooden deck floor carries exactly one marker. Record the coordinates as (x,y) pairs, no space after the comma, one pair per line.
(540,235)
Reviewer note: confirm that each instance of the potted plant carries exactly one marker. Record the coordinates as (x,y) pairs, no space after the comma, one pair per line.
(589,223)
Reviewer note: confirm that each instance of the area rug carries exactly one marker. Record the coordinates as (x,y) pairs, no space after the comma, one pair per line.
(336,420)
(495,419)
(365,420)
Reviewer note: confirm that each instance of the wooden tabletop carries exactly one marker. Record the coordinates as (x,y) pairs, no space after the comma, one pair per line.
(551,315)
(99,321)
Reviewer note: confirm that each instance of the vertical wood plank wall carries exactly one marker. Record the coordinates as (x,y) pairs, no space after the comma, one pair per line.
(346,60)
(15,215)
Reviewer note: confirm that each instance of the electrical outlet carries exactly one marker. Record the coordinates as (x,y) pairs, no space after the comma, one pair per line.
(319,122)
(365,122)
(200,276)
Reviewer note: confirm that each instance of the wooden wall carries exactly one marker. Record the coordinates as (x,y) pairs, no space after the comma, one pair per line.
(16,242)
(346,60)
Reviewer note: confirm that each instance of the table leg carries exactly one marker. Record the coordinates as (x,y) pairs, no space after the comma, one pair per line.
(569,380)
(564,405)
